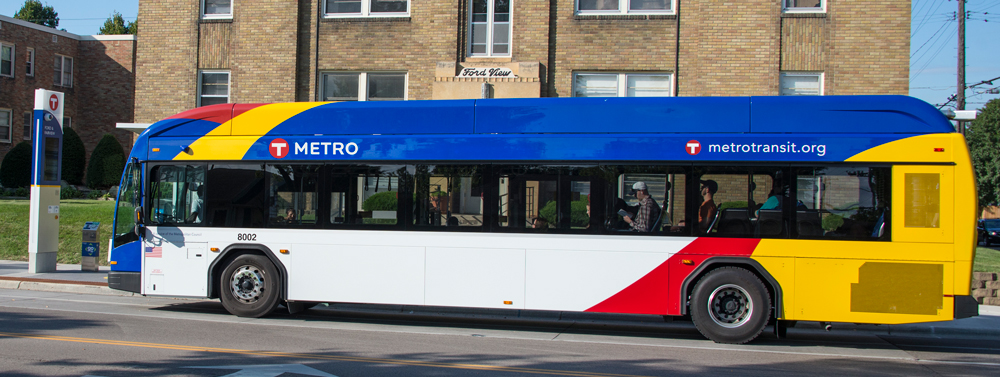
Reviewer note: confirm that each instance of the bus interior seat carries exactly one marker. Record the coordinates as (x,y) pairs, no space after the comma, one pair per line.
(808,223)
(715,222)
(734,222)
(769,222)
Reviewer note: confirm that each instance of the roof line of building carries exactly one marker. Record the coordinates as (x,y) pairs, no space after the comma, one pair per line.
(6,19)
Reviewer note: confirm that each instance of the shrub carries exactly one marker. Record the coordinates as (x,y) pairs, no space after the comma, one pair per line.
(74,157)
(15,171)
(96,194)
(22,192)
(68,192)
(383,201)
(578,213)
(107,155)
(733,204)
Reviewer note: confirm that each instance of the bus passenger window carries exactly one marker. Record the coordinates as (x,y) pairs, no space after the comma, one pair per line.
(293,194)
(842,202)
(235,196)
(539,198)
(448,196)
(178,195)
(368,195)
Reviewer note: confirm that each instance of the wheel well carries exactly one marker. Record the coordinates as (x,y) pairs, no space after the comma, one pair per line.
(773,288)
(234,251)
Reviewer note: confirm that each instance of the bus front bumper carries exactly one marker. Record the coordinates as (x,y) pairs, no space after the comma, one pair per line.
(127,281)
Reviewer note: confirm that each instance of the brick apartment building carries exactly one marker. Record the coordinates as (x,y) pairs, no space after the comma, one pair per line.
(95,73)
(197,52)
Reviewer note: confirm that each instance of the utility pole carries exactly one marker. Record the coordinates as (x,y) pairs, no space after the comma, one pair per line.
(960,97)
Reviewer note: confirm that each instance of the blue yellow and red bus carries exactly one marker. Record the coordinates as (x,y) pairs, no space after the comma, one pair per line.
(733,211)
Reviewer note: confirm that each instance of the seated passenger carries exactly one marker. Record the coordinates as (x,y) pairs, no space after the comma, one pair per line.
(539,223)
(708,210)
(647,212)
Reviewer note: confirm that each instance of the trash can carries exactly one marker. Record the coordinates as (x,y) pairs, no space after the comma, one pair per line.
(91,249)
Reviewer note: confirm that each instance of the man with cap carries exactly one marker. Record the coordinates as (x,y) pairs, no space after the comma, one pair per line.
(648,210)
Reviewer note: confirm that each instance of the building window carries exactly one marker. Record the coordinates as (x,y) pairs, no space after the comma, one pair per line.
(5,115)
(366,8)
(216,9)
(27,125)
(363,86)
(489,28)
(63,71)
(804,6)
(213,88)
(67,122)
(801,83)
(6,60)
(30,59)
(625,6)
(622,85)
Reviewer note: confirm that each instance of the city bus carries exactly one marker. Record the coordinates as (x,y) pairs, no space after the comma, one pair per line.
(740,213)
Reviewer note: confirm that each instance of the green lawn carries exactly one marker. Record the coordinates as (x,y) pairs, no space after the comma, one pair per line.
(72,215)
(987,260)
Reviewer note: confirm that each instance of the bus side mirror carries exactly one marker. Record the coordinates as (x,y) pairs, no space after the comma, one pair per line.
(139,229)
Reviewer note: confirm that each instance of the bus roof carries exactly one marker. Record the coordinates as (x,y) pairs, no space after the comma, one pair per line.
(659,115)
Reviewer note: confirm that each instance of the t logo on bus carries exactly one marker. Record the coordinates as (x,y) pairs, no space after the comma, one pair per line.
(278,148)
(693,147)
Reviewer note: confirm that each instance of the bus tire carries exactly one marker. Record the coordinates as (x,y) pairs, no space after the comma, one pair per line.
(730,305)
(249,286)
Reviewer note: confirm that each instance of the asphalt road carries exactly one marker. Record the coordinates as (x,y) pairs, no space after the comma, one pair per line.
(60,334)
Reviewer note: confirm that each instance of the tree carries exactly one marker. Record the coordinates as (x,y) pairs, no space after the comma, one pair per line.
(107,162)
(115,24)
(983,136)
(74,157)
(34,11)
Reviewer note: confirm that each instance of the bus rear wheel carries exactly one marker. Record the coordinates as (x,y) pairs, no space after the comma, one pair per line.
(730,305)
(249,286)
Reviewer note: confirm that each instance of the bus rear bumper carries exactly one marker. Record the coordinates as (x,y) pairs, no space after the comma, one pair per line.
(965,307)
(129,281)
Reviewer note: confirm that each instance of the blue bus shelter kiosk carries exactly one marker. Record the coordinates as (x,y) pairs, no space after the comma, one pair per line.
(46,139)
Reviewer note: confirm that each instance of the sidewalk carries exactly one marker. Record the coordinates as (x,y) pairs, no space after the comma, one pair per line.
(68,278)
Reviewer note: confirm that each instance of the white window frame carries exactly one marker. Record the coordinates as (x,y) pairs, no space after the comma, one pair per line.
(229,85)
(622,87)
(13,54)
(366,11)
(217,16)
(623,8)
(789,9)
(62,71)
(27,127)
(819,75)
(363,83)
(10,128)
(489,35)
(30,62)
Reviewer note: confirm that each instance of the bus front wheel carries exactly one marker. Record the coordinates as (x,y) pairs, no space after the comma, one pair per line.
(730,305)
(249,286)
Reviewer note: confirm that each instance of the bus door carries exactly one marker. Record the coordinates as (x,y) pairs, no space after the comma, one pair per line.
(176,243)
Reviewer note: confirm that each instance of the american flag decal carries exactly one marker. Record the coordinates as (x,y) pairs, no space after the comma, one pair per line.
(154,252)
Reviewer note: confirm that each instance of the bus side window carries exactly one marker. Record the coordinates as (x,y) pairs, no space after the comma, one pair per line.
(178,195)
(294,196)
(235,196)
(448,196)
(843,202)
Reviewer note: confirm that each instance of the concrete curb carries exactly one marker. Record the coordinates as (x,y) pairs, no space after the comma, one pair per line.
(67,287)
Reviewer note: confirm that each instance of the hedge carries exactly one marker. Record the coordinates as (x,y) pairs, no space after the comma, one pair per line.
(15,170)
(107,156)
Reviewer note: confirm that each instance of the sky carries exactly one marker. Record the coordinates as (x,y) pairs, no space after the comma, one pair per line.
(933,44)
